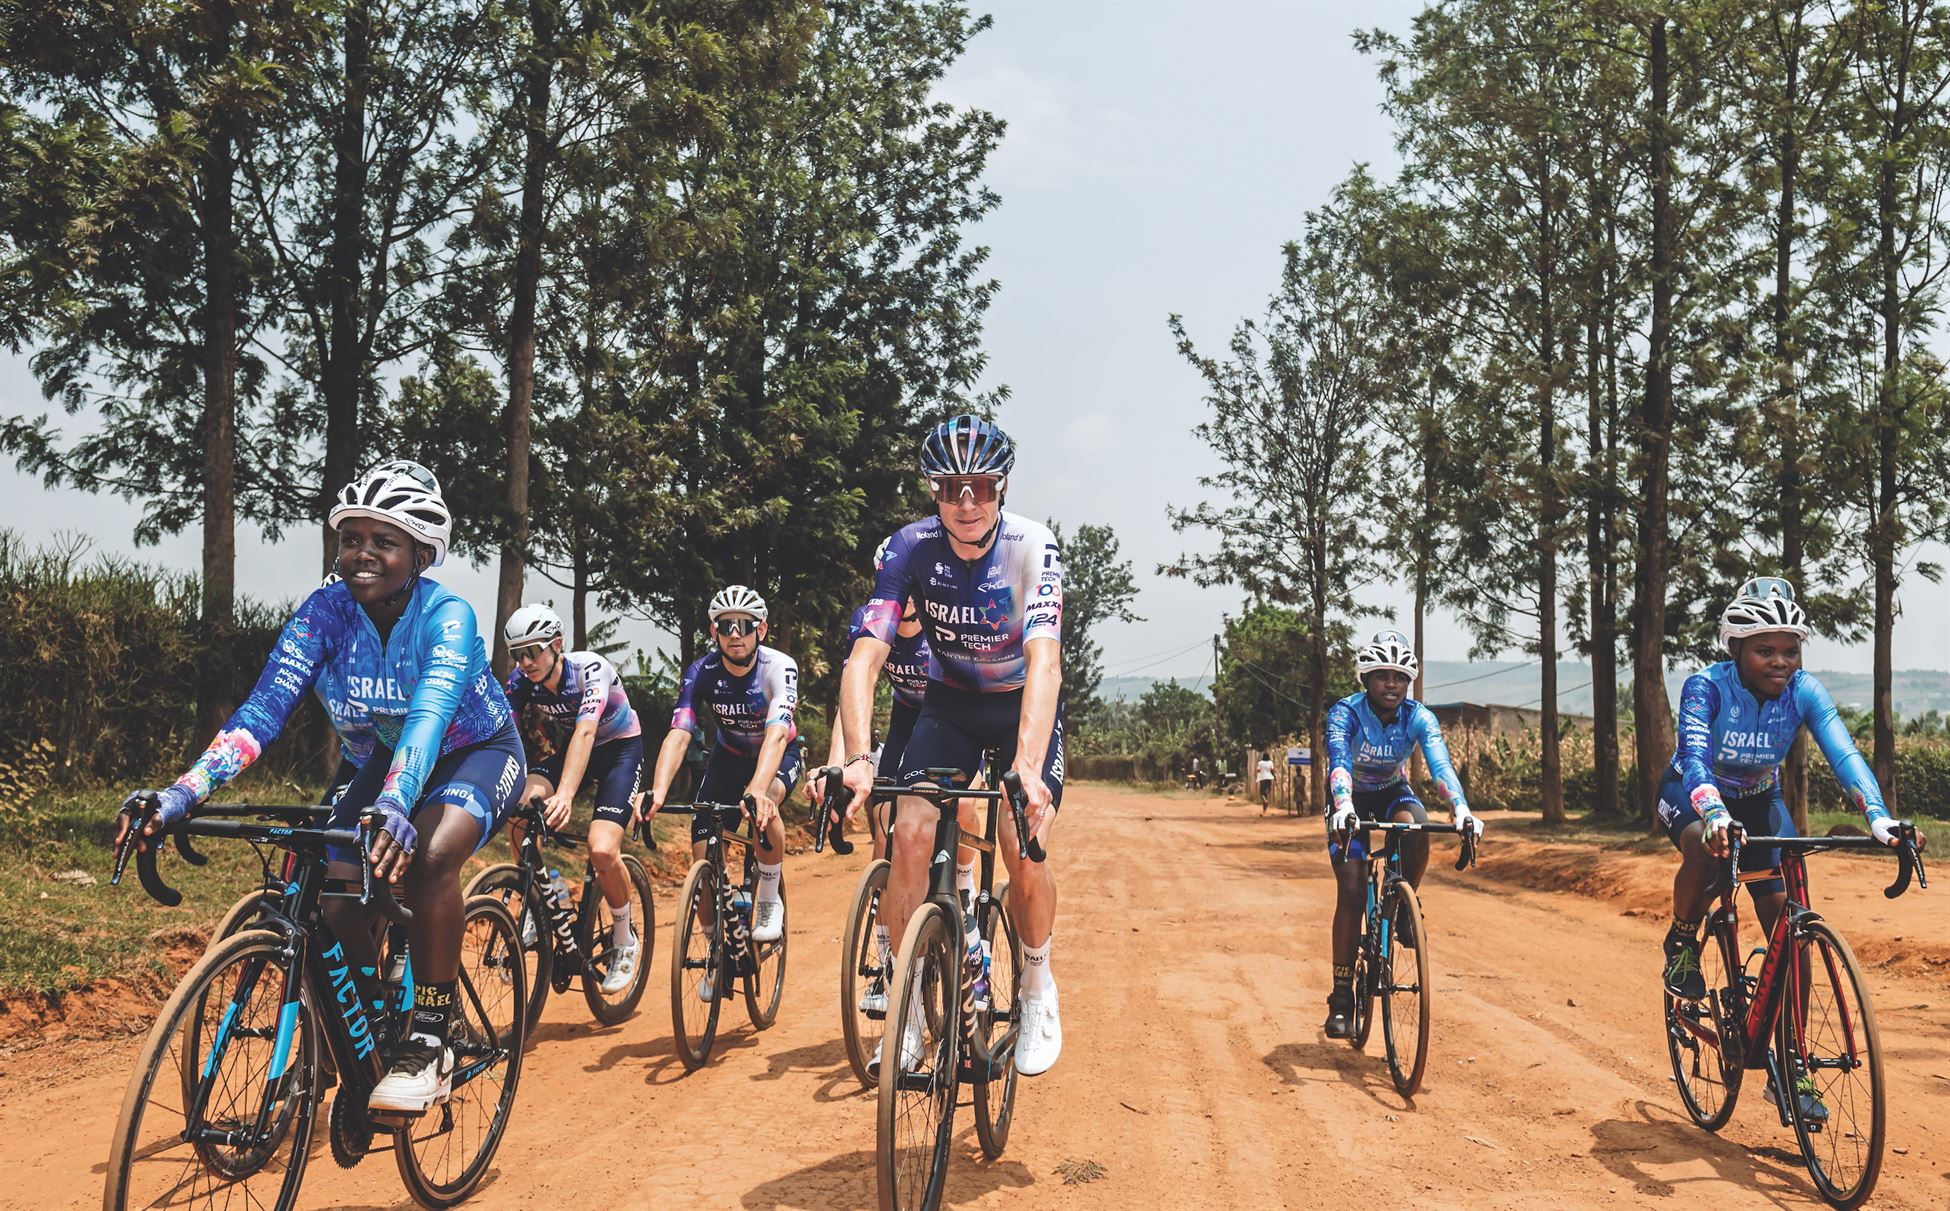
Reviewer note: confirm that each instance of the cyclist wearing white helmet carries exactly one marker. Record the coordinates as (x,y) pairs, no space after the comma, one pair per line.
(397,661)
(598,742)
(1737,720)
(752,694)
(1370,736)
(989,585)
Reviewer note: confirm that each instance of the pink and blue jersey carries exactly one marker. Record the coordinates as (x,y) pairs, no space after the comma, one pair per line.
(422,692)
(592,690)
(741,706)
(977,614)
(1364,754)
(1731,745)
(907,661)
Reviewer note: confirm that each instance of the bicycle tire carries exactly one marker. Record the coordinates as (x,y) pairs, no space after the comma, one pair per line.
(860,966)
(1365,963)
(252,955)
(1834,977)
(244,913)
(995,1099)
(1405,1008)
(696,949)
(1708,1087)
(487,1030)
(593,926)
(509,884)
(910,1174)
(768,968)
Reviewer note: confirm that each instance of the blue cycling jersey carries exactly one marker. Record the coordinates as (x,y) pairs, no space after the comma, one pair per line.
(1365,754)
(592,691)
(907,660)
(978,614)
(743,706)
(1731,745)
(423,692)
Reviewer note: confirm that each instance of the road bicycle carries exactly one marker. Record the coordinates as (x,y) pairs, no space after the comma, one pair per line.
(863,966)
(1802,1015)
(963,1002)
(1391,963)
(714,950)
(566,938)
(223,1102)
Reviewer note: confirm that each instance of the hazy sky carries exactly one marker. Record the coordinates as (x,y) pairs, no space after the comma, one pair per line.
(1157,157)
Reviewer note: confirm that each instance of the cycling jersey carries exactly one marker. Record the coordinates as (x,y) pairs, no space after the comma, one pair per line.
(1731,745)
(591,690)
(1364,754)
(743,706)
(907,661)
(422,693)
(978,614)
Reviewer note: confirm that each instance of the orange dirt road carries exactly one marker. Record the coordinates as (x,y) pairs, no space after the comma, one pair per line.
(1191,956)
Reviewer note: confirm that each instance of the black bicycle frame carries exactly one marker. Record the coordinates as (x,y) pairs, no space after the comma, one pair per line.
(722,819)
(560,918)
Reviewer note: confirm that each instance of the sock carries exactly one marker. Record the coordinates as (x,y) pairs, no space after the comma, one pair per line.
(885,942)
(1036,978)
(1682,931)
(965,879)
(768,881)
(622,933)
(1343,977)
(433,1002)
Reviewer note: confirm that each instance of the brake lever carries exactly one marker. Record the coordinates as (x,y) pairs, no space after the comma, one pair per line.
(378,893)
(1028,846)
(132,835)
(750,804)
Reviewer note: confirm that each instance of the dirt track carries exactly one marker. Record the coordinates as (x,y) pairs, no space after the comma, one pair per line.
(1191,958)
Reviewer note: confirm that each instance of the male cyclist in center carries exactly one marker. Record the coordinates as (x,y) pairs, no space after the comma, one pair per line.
(752,692)
(1370,736)
(582,694)
(990,588)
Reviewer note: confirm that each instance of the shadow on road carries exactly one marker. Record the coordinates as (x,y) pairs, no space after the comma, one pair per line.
(1303,1063)
(848,1181)
(1658,1137)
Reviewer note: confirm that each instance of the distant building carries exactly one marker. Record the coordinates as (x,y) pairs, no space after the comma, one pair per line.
(1494,719)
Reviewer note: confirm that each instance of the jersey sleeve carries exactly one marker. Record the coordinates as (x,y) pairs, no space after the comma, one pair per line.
(1428,733)
(880,618)
(598,679)
(1699,701)
(1338,732)
(447,630)
(302,649)
(1042,614)
(1825,725)
(516,687)
(685,715)
(782,694)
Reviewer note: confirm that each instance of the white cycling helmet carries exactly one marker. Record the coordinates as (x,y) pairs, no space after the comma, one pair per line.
(531,624)
(401,498)
(737,599)
(1387,650)
(1765,603)
(406,466)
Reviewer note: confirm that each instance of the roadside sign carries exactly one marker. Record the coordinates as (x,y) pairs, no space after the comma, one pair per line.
(1299,756)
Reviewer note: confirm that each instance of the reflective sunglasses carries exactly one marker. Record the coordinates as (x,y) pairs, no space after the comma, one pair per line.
(1764,587)
(734,627)
(981,489)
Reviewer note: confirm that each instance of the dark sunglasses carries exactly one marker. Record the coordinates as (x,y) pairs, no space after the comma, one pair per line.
(735,626)
(979,488)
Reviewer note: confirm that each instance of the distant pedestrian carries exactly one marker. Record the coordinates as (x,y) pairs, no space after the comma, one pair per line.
(1264,773)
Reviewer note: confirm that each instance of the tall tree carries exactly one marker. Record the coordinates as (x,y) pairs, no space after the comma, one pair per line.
(1097,588)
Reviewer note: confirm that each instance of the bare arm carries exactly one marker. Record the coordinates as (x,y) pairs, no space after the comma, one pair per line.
(857,681)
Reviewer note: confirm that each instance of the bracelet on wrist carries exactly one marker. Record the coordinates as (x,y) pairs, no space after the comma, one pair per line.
(858,757)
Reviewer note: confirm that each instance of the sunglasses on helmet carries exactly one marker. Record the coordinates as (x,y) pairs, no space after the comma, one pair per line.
(981,489)
(735,627)
(1763,587)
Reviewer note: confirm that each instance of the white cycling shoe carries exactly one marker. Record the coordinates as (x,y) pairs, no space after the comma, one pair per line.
(421,1075)
(768,921)
(622,968)
(874,1000)
(529,936)
(1039,1039)
(911,1049)
(704,990)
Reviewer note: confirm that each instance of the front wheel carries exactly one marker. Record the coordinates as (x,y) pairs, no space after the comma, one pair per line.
(864,973)
(1832,1061)
(521,896)
(246,912)
(1706,1071)
(766,984)
(915,1123)
(997,1024)
(1405,990)
(595,928)
(698,980)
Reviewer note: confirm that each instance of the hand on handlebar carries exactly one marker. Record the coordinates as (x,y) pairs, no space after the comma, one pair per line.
(858,777)
(764,811)
(1341,822)
(393,839)
(1889,832)
(171,804)
(1038,799)
(1468,821)
(557,808)
(1715,837)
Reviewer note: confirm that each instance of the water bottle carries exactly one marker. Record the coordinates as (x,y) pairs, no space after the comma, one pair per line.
(741,902)
(565,917)
(558,888)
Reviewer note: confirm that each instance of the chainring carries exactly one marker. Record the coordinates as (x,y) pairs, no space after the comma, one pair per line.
(351,1133)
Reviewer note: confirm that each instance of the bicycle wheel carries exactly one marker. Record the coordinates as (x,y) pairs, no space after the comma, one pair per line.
(233,1061)
(1405,990)
(1696,1033)
(244,913)
(916,1120)
(766,984)
(509,884)
(594,925)
(444,1153)
(697,975)
(1367,970)
(863,973)
(996,1026)
(1827,1047)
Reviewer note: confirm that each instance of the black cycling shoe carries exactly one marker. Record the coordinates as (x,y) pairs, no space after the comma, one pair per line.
(1683,978)
(1340,1014)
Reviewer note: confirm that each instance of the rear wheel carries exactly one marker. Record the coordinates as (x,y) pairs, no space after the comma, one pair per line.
(1831,1059)
(444,1153)
(863,973)
(697,975)
(595,925)
(1705,1071)
(996,1026)
(1405,991)
(510,885)
(916,1120)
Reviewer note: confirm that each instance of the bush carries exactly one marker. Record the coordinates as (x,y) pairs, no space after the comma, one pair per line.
(1922,778)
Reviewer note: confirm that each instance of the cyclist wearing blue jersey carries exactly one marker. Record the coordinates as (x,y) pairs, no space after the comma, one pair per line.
(752,694)
(1737,720)
(598,742)
(397,661)
(989,585)
(1370,737)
